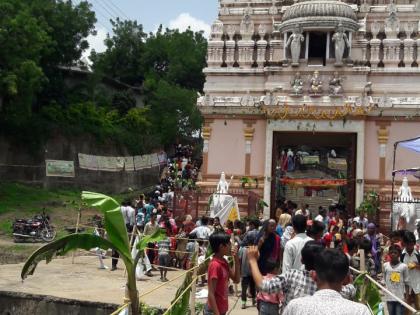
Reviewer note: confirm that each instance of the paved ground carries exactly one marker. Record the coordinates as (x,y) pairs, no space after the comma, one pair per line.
(84,281)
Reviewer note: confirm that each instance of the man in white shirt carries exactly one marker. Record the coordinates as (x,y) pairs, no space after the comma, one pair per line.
(203,231)
(361,220)
(129,215)
(292,257)
(331,273)
(411,257)
(304,211)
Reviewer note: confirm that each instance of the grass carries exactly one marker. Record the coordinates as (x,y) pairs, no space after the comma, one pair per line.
(6,226)
(17,197)
(23,201)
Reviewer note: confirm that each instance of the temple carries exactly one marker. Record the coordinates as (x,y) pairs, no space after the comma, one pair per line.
(307,98)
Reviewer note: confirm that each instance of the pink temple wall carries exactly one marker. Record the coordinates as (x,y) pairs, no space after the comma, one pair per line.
(258,149)
(227,147)
(371,151)
(404,158)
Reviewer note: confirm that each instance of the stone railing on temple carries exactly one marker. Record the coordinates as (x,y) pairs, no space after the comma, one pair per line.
(388,36)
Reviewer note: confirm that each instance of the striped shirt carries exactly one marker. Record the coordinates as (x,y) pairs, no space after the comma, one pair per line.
(298,283)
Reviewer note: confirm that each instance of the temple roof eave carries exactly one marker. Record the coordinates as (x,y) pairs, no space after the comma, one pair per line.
(317,23)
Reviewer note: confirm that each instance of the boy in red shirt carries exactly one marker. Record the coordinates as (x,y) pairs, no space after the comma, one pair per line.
(219,273)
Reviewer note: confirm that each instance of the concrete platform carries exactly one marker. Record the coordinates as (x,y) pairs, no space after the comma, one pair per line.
(84,281)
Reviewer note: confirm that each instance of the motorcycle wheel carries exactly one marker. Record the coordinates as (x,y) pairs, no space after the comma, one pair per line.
(48,234)
(17,239)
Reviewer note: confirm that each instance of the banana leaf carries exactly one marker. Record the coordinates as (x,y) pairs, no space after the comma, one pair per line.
(182,306)
(367,293)
(114,221)
(62,246)
(159,235)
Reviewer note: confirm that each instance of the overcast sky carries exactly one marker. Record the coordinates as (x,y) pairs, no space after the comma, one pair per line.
(198,14)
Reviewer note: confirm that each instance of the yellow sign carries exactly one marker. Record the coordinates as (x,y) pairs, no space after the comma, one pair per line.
(233,214)
(395,277)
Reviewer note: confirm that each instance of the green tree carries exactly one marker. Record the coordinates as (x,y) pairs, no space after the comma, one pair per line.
(173,111)
(37,37)
(123,57)
(177,57)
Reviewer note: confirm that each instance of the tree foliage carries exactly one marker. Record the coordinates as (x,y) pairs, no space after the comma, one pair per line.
(42,39)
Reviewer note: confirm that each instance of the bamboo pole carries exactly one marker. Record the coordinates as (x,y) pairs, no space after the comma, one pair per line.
(194,285)
(79,216)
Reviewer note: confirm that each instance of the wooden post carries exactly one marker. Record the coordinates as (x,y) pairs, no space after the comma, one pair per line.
(194,284)
(232,240)
(362,260)
(133,234)
(79,216)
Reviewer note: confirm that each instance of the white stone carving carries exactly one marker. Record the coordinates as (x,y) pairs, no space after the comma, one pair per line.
(261,46)
(340,41)
(335,85)
(247,100)
(247,27)
(408,44)
(392,23)
(295,41)
(315,87)
(297,85)
(216,30)
(375,44)
(375,28)
(230,45)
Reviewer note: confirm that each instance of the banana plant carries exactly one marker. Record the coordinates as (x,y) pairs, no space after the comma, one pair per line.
(117,239)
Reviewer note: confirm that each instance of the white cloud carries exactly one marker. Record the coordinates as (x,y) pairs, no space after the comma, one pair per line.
(185,20)
(96,42)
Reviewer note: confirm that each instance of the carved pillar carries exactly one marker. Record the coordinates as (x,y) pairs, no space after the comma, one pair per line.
(215,45)
(261,47)
(418,50)
(383,135)
(206,133)
(246,53)
(249,131)
(230,52)
(408,52)
(375,45)
(246,44)
(276,51)
(392,42)
(261,50)
(408,45)
(359,48)
(230,45)
(391,52)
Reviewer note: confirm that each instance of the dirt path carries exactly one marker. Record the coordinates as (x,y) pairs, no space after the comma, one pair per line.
(84,281)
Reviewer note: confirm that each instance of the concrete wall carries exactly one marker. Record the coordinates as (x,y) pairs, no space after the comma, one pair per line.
(258,149)
(227,147)
(404,158)
(19,164)
(16,303)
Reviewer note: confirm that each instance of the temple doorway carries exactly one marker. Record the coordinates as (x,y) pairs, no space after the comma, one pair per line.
(317,50)
(317,169)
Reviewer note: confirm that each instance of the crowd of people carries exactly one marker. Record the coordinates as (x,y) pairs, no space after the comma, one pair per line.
(290,264)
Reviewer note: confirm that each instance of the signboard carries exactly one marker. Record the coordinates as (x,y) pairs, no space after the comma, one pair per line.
(310,159)
(56,168)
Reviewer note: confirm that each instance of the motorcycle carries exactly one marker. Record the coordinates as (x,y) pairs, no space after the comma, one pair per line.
(38,228)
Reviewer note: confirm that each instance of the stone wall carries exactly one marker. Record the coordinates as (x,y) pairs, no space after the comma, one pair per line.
(19,164)
(16,303)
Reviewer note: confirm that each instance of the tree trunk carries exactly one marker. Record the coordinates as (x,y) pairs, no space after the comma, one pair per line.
(131,287)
